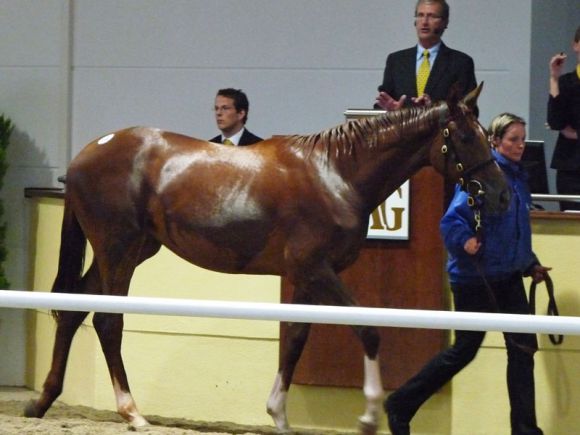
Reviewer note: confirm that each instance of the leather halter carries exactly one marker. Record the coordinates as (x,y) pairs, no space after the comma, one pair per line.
(472,186)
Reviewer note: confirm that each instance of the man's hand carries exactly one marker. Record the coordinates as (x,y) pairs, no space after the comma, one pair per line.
(423,100)
(387,102)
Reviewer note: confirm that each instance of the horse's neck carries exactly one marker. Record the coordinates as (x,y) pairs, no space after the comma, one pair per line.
(398,149)
(372,157)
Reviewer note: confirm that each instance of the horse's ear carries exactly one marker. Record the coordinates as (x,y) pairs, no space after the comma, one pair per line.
(453,97)
(470,99)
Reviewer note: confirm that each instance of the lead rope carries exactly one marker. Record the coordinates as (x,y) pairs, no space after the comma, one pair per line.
(552,309)
(477,260)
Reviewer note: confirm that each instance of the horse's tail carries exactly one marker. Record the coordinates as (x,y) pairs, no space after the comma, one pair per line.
(71,259)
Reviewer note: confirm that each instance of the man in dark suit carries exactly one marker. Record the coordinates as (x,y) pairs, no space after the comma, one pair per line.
(445,65)
(440,67)
(231,114)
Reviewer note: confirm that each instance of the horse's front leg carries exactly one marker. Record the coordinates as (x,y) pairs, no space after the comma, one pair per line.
(68,323)
(374,393)
(370,338)
(109,328)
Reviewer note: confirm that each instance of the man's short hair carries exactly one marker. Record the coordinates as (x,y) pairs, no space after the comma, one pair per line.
(240,100)
(444,7)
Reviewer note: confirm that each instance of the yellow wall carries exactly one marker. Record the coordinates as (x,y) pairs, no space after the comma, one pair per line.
(222,370)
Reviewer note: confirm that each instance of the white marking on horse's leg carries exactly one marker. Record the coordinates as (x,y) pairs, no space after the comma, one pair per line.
(127,408)
(276,405)
(373,391)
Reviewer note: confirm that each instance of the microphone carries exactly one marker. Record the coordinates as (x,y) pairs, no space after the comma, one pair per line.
(438,30)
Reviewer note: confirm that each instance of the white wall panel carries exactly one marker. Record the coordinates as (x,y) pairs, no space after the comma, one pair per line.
(281,101)
(31,97)
(30,32)
(249,34)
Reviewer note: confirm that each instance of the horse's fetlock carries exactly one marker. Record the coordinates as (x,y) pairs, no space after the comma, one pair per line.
(52,389)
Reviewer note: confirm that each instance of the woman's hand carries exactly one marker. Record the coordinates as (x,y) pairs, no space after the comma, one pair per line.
(472,246)
(539,273)
(569,133)
(557,64)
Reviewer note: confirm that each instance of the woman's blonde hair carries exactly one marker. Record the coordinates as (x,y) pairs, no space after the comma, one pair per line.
(500,124)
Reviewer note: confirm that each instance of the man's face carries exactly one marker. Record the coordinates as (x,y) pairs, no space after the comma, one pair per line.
(429,23)
(227,119)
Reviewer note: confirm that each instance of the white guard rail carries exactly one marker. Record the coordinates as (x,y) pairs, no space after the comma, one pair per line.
(404,318)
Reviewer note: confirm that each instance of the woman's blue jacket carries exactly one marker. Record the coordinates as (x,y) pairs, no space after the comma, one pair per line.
(506,237)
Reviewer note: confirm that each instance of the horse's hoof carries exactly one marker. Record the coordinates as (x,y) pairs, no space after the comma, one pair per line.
(139,424)
(143,429)
(30,410)
(367,427)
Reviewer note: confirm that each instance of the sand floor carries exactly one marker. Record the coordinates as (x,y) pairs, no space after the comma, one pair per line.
(62,419)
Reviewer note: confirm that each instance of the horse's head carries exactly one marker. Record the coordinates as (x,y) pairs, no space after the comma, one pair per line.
(462,153)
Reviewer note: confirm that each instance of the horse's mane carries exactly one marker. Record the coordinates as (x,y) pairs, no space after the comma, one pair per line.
(391,128)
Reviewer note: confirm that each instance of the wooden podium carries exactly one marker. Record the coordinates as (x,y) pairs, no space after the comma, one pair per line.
(387,274)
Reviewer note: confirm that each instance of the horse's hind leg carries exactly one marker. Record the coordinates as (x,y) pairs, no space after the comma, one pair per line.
(67,326)
(109,328)
(117,271)
(294,341)
(68,323)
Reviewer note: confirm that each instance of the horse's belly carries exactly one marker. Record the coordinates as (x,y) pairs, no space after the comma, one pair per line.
(239,248)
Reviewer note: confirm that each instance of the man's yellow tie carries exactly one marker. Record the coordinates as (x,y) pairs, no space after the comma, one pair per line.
(228,142)
(423,73)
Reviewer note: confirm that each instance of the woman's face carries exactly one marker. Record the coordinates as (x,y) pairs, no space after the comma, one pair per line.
(511,145)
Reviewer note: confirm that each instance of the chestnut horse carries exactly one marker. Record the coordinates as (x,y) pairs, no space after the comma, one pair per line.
(295,206)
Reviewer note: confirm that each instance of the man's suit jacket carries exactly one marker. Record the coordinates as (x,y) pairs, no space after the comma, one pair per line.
(246,139)
(450,66)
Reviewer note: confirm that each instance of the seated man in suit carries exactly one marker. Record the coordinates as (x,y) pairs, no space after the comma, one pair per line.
(425,72)
(231,113)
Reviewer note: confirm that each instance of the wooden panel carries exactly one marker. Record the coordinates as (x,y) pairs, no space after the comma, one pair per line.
(394,274)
